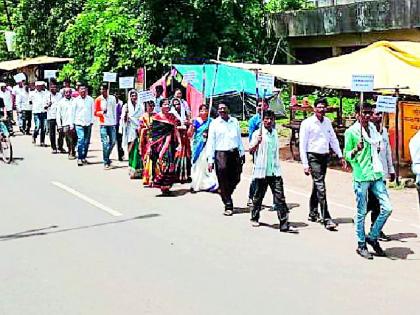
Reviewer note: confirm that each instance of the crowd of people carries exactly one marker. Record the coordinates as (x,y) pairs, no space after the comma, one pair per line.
(165,145)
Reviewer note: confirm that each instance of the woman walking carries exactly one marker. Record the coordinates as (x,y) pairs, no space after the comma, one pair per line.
(202,179)
(145,136)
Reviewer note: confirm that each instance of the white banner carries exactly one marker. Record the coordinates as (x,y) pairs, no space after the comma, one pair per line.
(362,82)
(386,104)
(145,96)
(49,74)
(110,77)
(126,82)
(265,82)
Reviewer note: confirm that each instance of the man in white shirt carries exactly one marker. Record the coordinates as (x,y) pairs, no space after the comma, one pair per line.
(106,111)
(27,108)
(83,120)
(388,168)
(6,95)
(20,97)
(414,146)
(267,172)
(225,153)
(38,99)
(65,122)
(53,97)
(316,136)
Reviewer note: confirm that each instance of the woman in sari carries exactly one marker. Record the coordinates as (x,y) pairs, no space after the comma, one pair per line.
(163,145)
(202,179)
(183,156)
(130,121)
(145,135)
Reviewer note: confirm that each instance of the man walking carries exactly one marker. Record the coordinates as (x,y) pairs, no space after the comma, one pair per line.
(316,137)
(388,168)
(65,122)
(38,99)
(106,111)
(362,144)
(225,153)
(267,172)
(83,120)
(20,98)
(53,98)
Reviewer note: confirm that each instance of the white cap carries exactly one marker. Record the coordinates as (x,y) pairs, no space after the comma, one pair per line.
(2,84)
(39,83)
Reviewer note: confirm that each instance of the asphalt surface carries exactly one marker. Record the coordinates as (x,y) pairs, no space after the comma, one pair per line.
(82,240)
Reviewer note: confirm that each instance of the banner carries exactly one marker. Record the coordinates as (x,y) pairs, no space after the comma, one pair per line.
(126,82)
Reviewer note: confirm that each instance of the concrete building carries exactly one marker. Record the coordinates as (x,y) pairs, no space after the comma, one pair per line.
(336,27)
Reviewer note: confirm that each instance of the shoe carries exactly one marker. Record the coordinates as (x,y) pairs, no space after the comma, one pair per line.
(376,246)
(228,213)
(28,133)
(313,217)
(33,141)
(43,145)
(62,151)
(79,163)
(330,225)
(363,252)
(288,229)
(383,237)
(72,157)
(249,203)
(107,167)
(84,161)
(54,152)
(254,223)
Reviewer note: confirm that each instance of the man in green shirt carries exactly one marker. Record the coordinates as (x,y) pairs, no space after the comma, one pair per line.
(361,149)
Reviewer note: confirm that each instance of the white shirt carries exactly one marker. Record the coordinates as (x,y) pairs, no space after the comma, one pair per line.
(414,146)
(110,105)
(7,99)
(385,154)
(65,113)
(21,97)
(38,101)
(223,136)
(317,137)
(157,104)
(84,110)
(54,99)
(268,145)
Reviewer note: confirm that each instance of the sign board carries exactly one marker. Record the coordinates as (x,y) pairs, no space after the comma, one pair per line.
(49,74)
(362,82)
(19,77)
(189,77)
(110,77)
(386,104)
(265,82)
(145,96)
(126,82)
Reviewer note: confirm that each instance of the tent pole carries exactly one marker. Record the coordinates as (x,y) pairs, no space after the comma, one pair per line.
(256,90)
(340,114)
(212,89)
(397,139)
(204,83)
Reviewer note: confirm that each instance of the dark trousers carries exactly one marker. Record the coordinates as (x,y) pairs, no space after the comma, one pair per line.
(373,206)
(71,140)
(52,126)
(276,186)
(119,145)
(228,167)
(10,120)
(318,164)
(27,121)
(40,120)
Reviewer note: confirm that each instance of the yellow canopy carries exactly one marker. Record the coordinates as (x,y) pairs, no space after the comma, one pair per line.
(21,63)
(394,64)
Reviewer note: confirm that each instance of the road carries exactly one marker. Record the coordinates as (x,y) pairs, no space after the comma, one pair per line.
(82,240)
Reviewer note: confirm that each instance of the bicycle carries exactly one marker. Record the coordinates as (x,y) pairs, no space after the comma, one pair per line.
(6,149)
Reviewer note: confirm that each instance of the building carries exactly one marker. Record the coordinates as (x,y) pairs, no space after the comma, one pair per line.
(336,27)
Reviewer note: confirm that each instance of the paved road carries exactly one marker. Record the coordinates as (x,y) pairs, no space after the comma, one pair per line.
(81,240)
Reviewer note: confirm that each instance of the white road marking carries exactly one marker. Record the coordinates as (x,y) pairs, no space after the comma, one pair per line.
(87,199)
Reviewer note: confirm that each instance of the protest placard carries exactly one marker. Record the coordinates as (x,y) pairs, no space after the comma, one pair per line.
(49,74)
(386,104)
(145,96)
(110,77)
(126,82)
(362,82)
(265,82)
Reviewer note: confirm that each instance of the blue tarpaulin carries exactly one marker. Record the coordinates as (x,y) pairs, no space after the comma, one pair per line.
(229,79)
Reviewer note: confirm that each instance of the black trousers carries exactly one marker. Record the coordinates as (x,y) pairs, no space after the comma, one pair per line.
(276,186)
(119,144)
(52,126)
(71,140)
(318,164)
(27,120)
(228,167)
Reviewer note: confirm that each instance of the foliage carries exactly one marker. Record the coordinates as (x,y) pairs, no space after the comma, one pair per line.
(4,25)
(286,5)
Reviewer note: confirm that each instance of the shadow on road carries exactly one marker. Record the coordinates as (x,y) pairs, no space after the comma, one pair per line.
(175,193)
(402,236)
(344,220)
(51,229)
(398,252)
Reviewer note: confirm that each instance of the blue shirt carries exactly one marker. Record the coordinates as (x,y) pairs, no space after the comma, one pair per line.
(253,124)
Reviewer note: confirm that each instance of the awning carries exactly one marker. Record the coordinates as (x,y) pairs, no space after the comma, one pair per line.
(21,63)
(394,64)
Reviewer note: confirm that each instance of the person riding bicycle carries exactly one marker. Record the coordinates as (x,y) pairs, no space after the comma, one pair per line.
(4,130)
